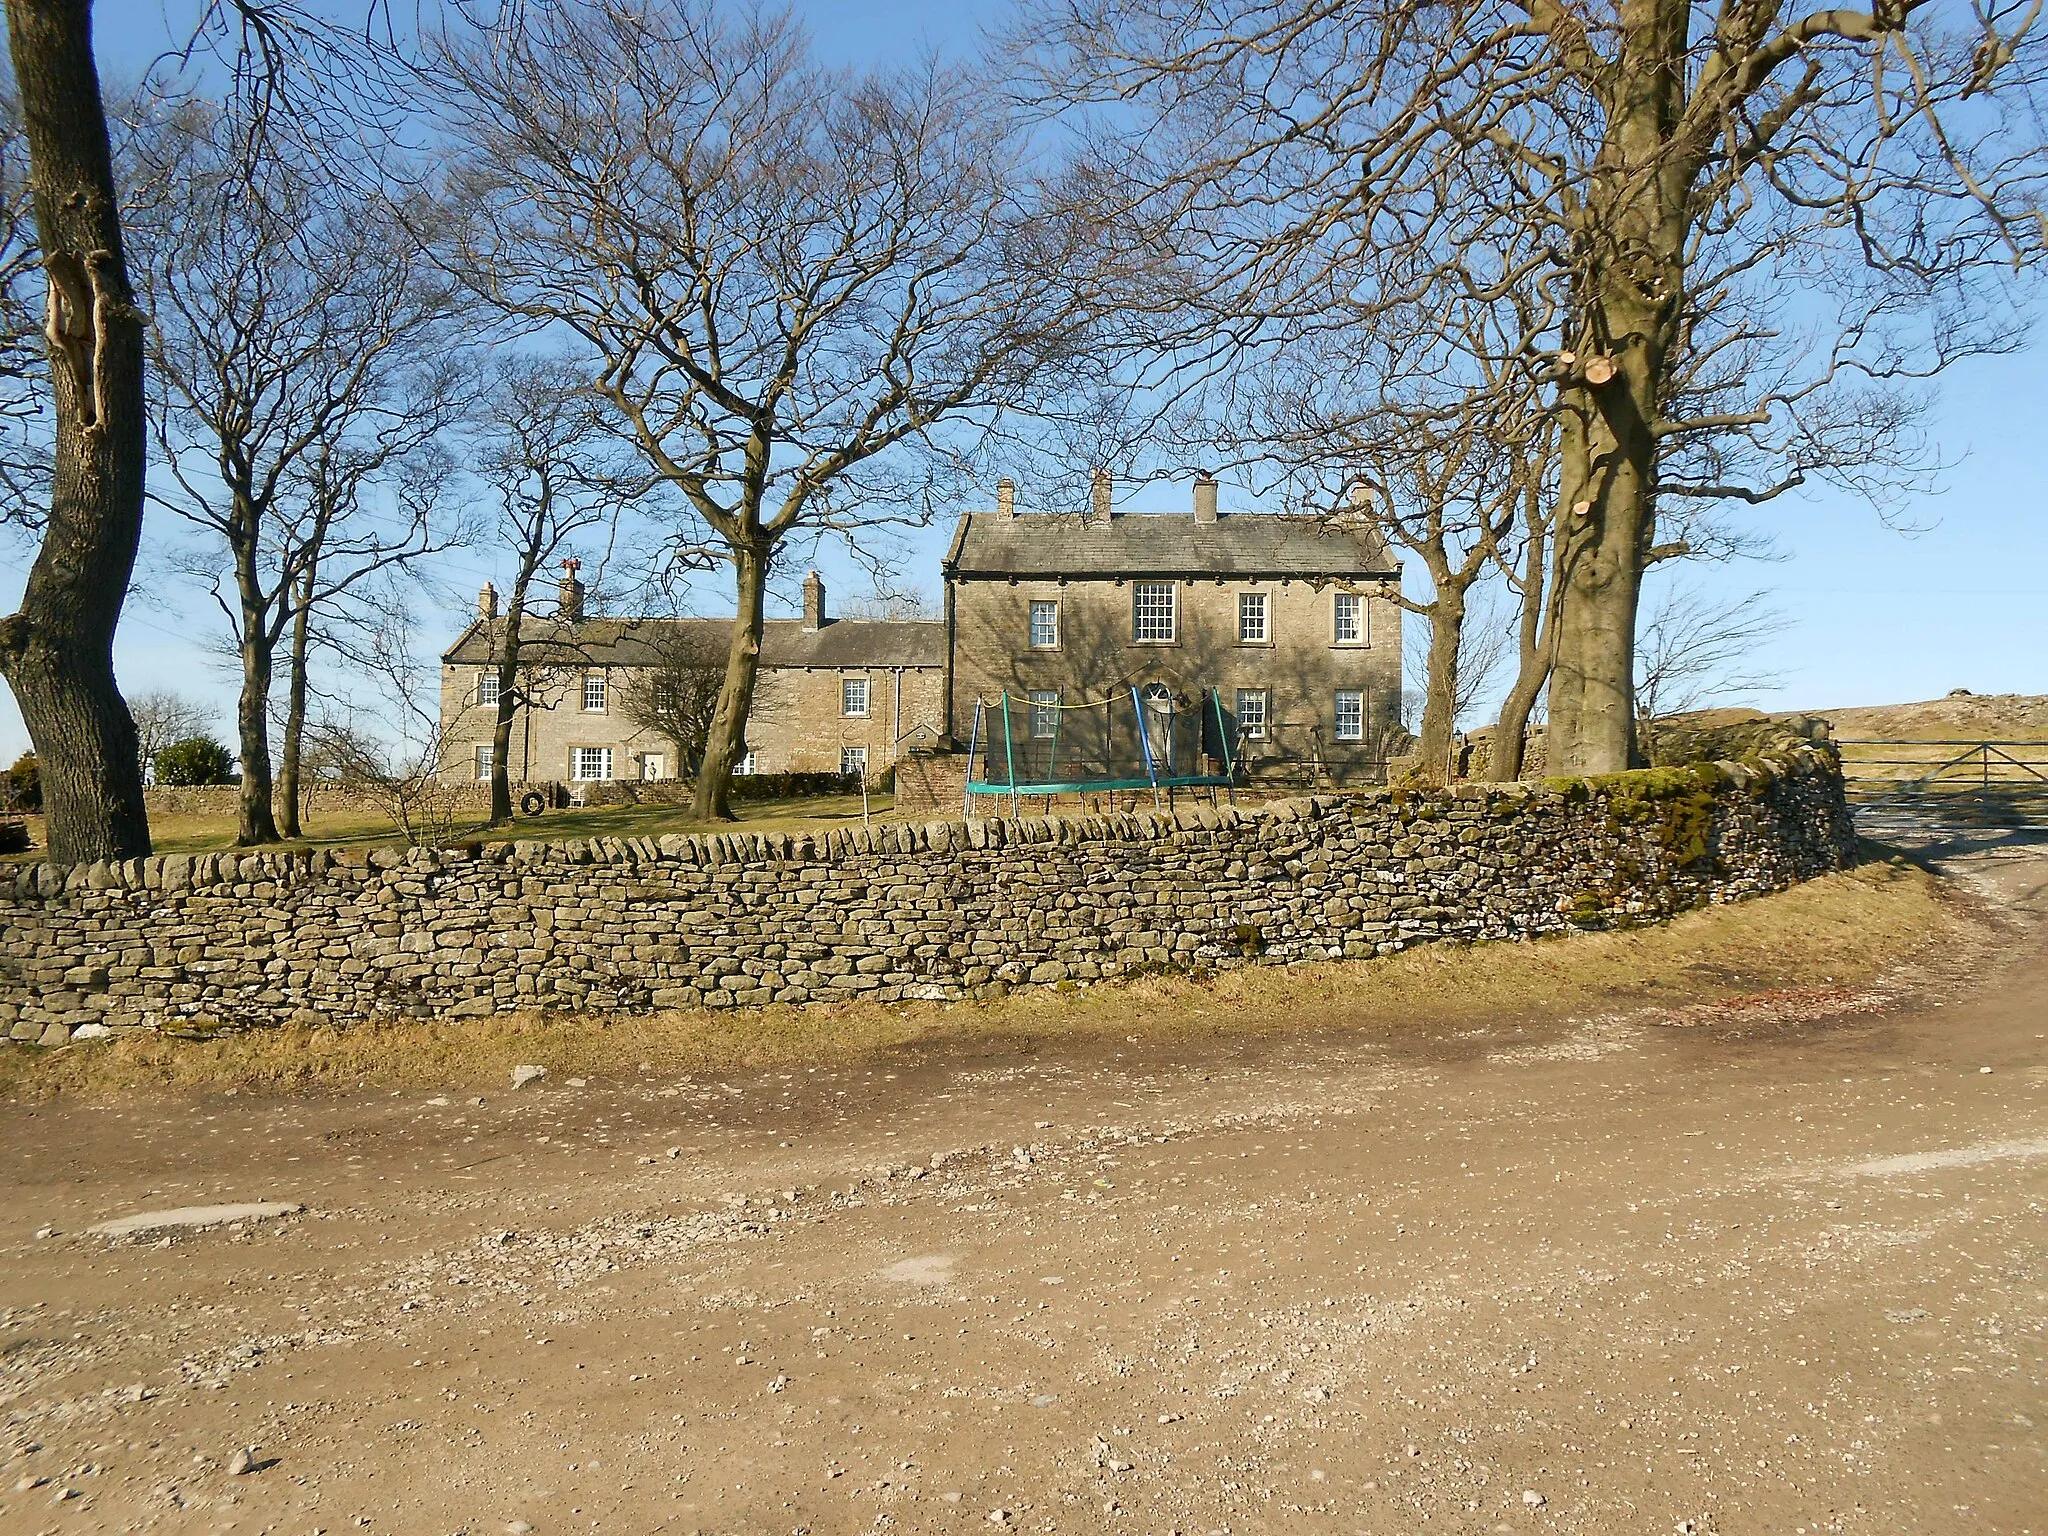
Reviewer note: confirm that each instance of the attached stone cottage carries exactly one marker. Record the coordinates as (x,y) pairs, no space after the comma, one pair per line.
(835,695)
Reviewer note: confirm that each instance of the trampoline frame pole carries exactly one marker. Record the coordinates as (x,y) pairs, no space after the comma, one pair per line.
(967,779)
(1009,754)
(1145,741)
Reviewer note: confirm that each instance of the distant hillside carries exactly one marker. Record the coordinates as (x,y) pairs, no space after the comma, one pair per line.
(1961,717)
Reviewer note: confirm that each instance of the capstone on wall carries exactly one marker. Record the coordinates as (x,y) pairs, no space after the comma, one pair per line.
(893,911)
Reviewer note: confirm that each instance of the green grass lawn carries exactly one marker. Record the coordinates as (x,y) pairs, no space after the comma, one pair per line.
(368,828)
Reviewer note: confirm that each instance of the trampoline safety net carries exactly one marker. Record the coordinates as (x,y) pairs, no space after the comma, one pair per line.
(1134,739)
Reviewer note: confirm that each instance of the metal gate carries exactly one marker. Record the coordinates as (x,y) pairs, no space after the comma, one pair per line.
(1987,784)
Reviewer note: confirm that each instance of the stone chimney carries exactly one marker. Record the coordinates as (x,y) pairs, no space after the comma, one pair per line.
(1006,498)
(487,603)
(1205,498)
(1098,502)
(569,602)
(814,603)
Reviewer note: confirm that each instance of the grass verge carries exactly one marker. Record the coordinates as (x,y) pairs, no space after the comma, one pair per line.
(1843,930)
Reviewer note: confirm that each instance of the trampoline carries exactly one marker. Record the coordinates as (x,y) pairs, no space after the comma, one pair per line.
(1135,739)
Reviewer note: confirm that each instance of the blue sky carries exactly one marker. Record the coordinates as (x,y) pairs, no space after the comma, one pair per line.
(1880,615)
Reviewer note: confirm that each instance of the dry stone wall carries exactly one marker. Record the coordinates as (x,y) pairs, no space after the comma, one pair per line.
(899,910)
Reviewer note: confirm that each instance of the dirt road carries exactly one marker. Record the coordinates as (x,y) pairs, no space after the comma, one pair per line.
(1661,1273)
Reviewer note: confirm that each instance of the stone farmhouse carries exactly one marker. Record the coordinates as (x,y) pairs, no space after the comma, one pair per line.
(1290,618)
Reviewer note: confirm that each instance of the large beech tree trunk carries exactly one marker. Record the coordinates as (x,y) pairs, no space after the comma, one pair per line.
(1607,511)
(727,737)
(57,651)
(1634,235)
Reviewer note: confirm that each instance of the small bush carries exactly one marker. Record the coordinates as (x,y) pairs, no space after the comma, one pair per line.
(195,760)
(14,837)
(23,786)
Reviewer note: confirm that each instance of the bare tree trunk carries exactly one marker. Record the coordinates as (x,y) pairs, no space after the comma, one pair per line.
(289,791)
(1440,692)
(255,824)
(508,701)
(57,651)
(1536,646)
(736,698)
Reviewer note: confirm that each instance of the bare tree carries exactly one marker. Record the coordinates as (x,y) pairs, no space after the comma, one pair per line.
(162,717)
(56,650)
(1696,646)
(1845,193)
(389,747)
(305,353)
(551,464)
(674,689)
(345,561)
(806,294)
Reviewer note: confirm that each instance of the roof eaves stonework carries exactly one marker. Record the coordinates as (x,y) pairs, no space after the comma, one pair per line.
(1240,545)
(786,644)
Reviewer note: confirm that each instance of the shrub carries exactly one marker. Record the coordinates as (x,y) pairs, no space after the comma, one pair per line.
(14,837)
(22,789)
(195,760)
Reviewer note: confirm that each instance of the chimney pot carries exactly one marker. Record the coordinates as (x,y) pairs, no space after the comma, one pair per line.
(1006,497)
(569,604)
(1205,498)
(1098,504)
(814,602)
(487,603)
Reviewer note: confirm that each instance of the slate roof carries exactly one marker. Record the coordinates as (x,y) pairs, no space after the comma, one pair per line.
(622,642)
(1242,544)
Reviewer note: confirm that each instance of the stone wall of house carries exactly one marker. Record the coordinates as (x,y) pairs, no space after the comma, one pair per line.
(225,799)
(1298,667)
(798,724)
(897,910)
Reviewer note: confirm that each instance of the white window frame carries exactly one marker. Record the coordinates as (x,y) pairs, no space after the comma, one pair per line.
(483,763)
(1256,721)
(853,697)
(853,760)
(744,768)
(487,686)
(581,758)
(1048,608)
(595,687)
(1254,619)
(1045,713)
(653,766)
(1349,702)
(1144,593)
(1337,605)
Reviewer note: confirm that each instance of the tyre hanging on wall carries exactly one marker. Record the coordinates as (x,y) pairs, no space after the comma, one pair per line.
(533,802)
